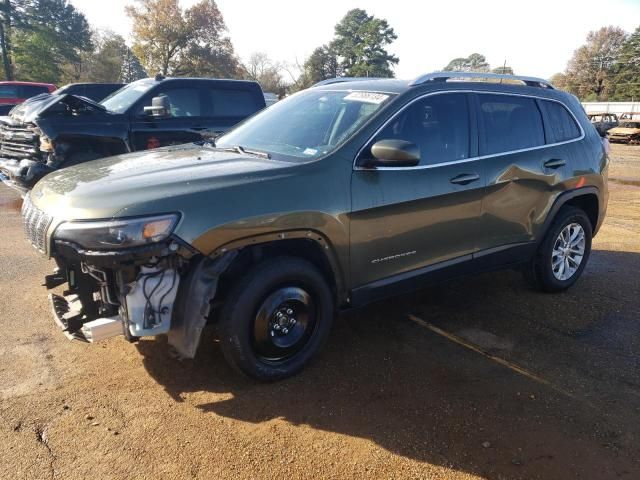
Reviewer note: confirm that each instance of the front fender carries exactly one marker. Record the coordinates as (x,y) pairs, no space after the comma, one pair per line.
(329,233)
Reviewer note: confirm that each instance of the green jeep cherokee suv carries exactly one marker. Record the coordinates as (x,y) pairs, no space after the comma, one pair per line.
(342,194)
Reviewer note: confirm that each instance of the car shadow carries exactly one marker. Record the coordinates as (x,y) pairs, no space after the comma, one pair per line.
(426,397)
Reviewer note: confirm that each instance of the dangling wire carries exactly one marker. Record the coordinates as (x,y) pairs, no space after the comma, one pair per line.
(149,311)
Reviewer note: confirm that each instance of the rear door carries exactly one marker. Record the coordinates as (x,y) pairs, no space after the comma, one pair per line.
(404,219)
(525,164)
(184,123)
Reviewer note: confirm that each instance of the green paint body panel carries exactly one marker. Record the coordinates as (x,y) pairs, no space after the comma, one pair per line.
(373,224)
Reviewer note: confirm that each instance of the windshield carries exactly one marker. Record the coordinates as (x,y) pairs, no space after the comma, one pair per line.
(120,100)
(630,125)
(309,124)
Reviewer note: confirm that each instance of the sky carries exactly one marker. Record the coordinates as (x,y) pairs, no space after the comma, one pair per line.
(535,38)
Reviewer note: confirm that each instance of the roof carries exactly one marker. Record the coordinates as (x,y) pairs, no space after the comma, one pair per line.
(438,81)
(92,83)
(35,84)
(389,85)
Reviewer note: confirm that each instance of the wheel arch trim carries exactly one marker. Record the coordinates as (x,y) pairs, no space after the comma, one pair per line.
(562,200)
(318,238)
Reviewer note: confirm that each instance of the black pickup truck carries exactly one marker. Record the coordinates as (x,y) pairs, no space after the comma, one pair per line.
(66,130)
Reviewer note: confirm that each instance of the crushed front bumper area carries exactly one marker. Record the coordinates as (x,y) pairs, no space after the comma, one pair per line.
(66,312)
(22,175)
(141,292)
(21,189)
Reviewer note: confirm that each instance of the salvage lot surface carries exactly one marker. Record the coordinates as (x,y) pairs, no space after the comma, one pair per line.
(476,378)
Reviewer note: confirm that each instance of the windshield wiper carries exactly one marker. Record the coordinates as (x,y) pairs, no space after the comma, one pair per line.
(245,151)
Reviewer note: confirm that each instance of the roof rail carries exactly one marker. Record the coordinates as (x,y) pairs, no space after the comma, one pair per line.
(479,76)
(330,81)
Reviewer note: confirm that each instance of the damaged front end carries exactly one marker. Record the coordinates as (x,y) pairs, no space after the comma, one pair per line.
(148,283)
(27,153)
(128,293)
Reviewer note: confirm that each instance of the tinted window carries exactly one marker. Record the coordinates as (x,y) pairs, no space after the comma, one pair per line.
(438,125)
(29,91)
(561,125)
(183,102)
(510,123)
(8,91)
(231,103)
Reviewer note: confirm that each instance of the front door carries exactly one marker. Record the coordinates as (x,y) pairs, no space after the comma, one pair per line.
(183,123)
(404,219)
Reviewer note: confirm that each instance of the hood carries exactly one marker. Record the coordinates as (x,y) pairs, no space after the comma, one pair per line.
(28,111)
(102,188)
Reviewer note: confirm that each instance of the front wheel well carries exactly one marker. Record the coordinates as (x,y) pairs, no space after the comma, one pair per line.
(306,249)
(588,203)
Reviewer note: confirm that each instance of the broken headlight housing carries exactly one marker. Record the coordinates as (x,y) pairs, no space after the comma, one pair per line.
(120,233)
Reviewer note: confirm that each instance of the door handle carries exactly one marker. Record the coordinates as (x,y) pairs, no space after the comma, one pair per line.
(465,178)
(554,163)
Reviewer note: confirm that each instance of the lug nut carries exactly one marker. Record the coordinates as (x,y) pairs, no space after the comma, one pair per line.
(289,311)
(276,326)
(285,330)
(292,321)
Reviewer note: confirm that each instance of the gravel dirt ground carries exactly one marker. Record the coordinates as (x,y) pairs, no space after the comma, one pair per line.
(476,378)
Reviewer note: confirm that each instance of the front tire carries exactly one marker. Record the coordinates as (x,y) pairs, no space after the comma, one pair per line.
(276,318)
(564,252)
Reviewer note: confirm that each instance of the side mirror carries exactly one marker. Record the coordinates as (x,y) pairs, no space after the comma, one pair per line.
(160,107)
(394,153)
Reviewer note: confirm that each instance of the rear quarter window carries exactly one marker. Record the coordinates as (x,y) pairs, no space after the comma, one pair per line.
(561,126)
(509,123)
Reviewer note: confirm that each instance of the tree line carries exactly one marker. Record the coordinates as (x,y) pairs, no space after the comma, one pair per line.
(605,67)
(51,41)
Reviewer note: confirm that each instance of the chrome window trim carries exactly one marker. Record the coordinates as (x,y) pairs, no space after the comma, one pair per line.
(471,159)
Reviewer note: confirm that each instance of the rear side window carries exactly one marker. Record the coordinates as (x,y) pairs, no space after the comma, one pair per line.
(231,103)
(437,124)
(561,126)
(8,91)
(29,91)
(510,123)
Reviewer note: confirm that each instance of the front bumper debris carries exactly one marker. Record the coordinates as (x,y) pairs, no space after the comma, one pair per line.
(67,313)
(4,178)
(22,175)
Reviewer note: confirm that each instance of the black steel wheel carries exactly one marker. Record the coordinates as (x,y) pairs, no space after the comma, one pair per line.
(284,323)
(276,318)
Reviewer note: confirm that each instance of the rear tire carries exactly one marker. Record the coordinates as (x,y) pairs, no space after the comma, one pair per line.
(276,319)
(563,253)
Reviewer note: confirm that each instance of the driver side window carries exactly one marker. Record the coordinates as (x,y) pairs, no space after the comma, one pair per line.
(183,102)
(438,124)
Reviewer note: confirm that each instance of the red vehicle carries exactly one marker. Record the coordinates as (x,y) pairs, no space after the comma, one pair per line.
(14,93)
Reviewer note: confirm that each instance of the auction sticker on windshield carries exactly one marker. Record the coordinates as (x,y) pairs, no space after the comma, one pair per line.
(367,97)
